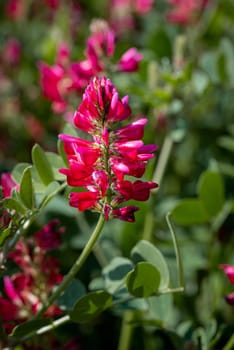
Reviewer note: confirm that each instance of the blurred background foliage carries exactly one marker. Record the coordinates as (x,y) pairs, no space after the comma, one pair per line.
(185,87)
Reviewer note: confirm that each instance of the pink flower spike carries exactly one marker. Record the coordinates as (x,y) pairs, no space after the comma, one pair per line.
(129,61)
(229,271)
(100,165)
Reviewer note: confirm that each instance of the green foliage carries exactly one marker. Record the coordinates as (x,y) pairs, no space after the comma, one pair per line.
(74,291)
(28,328)
(26,189)
(190,212)
(90,306)
(143,281)
(185,87)
(42,165)
(210,201)
(145,251)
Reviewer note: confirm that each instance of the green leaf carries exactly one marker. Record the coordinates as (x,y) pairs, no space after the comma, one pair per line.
(29,327)
(211,192)
(90,306)
(26,189)
(144,280)
(115,274)
(226,142)
(3,235)
(18,171)
(51,190)
(42,165)
(13,204)
(145,251)
(190,212)
(74,291)
(226,169)
(62,152)
(56,162)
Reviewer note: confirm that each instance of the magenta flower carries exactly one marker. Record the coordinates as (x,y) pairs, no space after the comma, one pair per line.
(8,184)
(60,81)
(143,6)
(49,237)
(229,271)
(25,291)
(100,165)
(100,44)
(129,62)
(15,9)
(186,11)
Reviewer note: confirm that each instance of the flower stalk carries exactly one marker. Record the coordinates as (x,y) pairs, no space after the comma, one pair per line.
(75,268)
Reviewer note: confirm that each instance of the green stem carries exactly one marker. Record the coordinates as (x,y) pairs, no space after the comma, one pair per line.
(75,268)
(126,331)
(230,344)
(157,177)
(177,253)
(11,243)
(60,321)
(163,160)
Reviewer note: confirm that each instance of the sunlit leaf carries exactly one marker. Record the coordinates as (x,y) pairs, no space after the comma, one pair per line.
(4,235)
(13,204)
(18,170)
(56,162)
(26,189)
(145,251)
(50,192)
(42,165)
(144,280)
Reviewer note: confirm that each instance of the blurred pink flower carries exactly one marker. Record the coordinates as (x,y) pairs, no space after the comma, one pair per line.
(53,4)
(60,81)
(129,62)
(185,11)
(26,290)
(122,13)
(15,9)
(229,271)
(8,184)
(100,165)
(49,237)
(143,6)
(11,52)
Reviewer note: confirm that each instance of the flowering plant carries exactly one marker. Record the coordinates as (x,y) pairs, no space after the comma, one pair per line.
(116,175)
